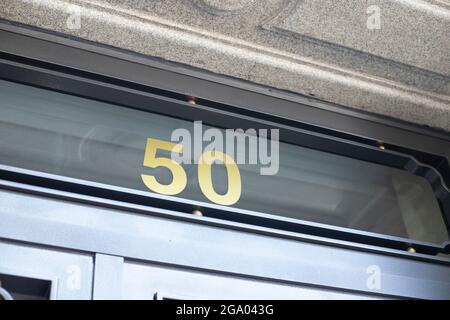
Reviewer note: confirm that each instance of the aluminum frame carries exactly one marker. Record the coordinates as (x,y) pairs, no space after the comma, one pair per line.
(26,259)
(53,280)
(232,249)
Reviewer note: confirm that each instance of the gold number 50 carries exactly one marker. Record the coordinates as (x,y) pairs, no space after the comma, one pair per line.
(179,178)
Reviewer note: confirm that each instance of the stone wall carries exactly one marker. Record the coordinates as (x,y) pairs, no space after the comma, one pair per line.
(390,57)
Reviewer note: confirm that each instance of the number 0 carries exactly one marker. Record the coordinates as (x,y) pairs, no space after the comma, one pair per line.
(205,178)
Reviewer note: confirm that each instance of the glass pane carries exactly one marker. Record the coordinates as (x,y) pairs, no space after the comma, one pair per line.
(23,288)
(66,135)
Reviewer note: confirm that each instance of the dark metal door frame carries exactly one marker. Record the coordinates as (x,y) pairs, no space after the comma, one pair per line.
(47,61)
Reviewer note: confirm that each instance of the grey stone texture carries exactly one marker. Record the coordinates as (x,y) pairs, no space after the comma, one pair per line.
(328,49)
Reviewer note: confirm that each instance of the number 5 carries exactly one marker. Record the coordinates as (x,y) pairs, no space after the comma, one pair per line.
(179,178)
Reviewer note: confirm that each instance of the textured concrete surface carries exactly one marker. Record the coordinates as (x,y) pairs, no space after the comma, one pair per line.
(409,33)
(329,49)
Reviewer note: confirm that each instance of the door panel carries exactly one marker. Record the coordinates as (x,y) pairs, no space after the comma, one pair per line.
(32,272)
(141,281)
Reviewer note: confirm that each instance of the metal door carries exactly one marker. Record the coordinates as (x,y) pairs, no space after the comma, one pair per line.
(35,272)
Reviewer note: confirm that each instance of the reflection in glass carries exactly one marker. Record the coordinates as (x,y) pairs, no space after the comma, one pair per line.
(66,135)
